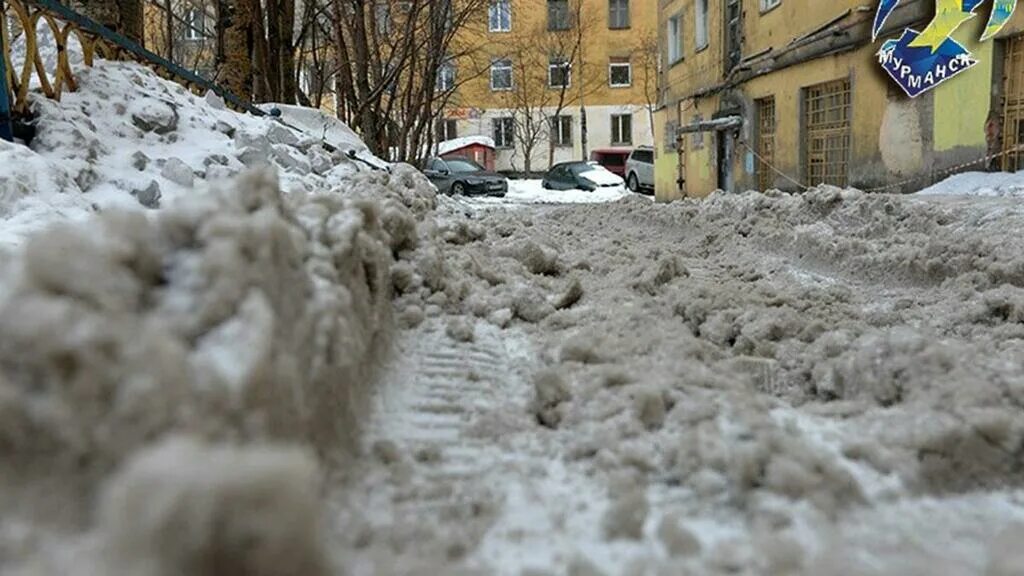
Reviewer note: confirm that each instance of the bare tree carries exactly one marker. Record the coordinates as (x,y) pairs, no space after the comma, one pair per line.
(648,63)
(551,75)
(123,16)
(389,56)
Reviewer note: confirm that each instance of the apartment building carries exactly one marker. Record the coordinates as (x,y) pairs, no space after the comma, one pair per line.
(760,94)
(553,80)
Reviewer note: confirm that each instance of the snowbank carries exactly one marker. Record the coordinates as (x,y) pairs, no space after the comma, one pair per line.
(531,192)
(999,184)
(131,140)
(148,292)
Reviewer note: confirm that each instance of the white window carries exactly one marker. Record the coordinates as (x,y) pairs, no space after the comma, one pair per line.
(195,24)
(618,14)
(500,16)
(559,73)
(622,129)
(701,20)
(675,39)
(620,73)
(447,129)
(561,131)
(767,5)
(446,76)
(504,132)
(501,75)
(382,15)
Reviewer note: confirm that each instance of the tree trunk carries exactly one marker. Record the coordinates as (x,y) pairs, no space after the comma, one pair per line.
(260,81)
(288,75)
(132,20)
(236,69)
(274,50)
(169,24)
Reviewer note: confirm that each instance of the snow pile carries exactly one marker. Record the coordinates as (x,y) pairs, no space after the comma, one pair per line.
(1000,184)
(168,298)
(106,147)
(532,192)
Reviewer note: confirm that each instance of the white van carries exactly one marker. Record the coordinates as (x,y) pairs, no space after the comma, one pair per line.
(640,170)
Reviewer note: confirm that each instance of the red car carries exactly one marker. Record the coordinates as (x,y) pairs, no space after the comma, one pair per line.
(614,159)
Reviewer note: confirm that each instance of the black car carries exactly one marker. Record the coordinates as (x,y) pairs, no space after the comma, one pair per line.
(462,176)
(588,176)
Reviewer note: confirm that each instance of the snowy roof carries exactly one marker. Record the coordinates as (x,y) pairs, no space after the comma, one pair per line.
(450,146)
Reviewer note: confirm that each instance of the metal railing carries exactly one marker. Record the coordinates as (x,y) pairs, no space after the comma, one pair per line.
(95,40)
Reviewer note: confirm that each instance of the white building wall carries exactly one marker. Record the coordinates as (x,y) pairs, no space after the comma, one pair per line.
(599,135)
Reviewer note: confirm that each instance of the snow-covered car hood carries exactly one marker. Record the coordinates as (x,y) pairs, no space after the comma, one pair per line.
(602,177)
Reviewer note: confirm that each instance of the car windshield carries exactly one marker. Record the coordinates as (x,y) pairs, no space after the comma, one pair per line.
(462,166)
(581,167)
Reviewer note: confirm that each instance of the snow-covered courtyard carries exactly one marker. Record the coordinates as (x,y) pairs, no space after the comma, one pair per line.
(229,348)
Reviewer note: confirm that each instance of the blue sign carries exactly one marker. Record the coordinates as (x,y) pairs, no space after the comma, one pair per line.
(920,61)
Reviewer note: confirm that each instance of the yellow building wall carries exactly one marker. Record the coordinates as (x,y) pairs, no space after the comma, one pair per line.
(893,136)
(529,33)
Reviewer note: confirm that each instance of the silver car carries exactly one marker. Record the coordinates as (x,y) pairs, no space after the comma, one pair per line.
(640,170)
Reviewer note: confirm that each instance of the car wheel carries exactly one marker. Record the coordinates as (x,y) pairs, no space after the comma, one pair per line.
(633,183)
(458,189)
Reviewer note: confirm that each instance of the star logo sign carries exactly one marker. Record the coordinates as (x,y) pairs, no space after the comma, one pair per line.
(920,61)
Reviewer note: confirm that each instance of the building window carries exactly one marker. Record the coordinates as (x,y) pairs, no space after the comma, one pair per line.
(827,133)
(675,39)
(447,129)
(446,76)
(622,129)
(382,16)
(671,137)
(733,33)
(559,73)
(561,131)
(504,132)
(558,15)
(500,16)
(767,5)
(501,75)
(618,14)
(195,24)
(620,73)
(697,140)
(701,19)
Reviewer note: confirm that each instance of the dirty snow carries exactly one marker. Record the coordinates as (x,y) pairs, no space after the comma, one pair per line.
(531,192)
(1001,184)
(340,373)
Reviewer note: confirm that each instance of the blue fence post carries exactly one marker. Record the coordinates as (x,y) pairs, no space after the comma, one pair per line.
(6,131)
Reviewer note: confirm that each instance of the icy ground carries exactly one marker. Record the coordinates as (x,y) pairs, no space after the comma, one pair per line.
(329,370)
(820,384)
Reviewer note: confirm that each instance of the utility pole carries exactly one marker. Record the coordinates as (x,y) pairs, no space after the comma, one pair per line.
(6,131)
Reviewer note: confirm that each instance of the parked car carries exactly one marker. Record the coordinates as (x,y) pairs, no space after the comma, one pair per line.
(614,159)
(463,177)
(640,170)
(587,176)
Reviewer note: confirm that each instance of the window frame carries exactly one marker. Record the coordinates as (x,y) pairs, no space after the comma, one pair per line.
(701,19)
(616,126)
(448,64)
(612,64)
(511,77)
(613,13)
(499,127)
(565,23)
(678,22)
(561,124)
(767,6)
(492,10)
(559,63)
(194,31)
(442,131)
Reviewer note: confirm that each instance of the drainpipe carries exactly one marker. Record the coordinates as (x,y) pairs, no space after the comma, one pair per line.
(6,131)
